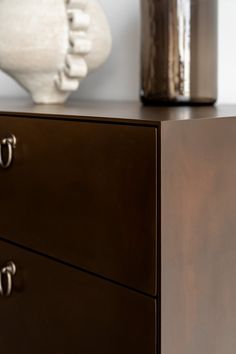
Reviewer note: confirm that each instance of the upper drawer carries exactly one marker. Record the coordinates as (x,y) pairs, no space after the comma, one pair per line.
(84,193)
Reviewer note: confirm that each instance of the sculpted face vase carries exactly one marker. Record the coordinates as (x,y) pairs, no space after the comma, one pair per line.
(49,46)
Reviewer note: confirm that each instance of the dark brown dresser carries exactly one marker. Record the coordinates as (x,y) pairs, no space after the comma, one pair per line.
(117,229)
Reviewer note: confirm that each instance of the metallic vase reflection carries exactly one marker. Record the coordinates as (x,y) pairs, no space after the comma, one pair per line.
(179,51)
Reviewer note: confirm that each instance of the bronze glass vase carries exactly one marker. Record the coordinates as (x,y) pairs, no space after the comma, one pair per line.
(179,51)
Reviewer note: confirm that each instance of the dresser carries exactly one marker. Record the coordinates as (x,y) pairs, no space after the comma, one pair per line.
(117,229)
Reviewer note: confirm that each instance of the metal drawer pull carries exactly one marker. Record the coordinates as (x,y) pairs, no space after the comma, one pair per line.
(7,272)
(9,143)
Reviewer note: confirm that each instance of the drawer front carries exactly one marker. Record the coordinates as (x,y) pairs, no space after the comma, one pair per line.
(84,193)
(56,309)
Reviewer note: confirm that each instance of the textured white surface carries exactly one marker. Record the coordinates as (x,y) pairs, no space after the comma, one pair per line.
(36,54)
(120,75)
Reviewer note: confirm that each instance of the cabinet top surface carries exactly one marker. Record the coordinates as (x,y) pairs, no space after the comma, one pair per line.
(115,112)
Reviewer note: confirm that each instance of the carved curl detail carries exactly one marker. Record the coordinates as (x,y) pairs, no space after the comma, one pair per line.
(75,66)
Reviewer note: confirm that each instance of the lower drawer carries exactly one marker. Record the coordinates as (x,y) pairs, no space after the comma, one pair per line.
(55,309)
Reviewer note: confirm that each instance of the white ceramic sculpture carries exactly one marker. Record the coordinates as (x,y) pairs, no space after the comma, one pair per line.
(49,46)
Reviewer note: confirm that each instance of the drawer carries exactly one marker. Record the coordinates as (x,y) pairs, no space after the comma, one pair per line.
(84,193)
(56,309)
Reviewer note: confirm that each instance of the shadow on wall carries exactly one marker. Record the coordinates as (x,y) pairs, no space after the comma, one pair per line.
(119,77)
(9,87)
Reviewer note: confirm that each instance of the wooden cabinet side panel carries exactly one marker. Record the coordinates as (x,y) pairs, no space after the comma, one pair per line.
(199,237)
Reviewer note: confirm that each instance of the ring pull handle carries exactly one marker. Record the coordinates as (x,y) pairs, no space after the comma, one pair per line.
(6,275)
(9,144)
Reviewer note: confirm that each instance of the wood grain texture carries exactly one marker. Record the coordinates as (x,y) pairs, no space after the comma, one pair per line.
(112,112)
(84,193)
(144,197)
(198,237)
(56,309)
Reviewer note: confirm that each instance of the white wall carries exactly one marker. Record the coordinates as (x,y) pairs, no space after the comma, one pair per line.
(227,51)
(119,78)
